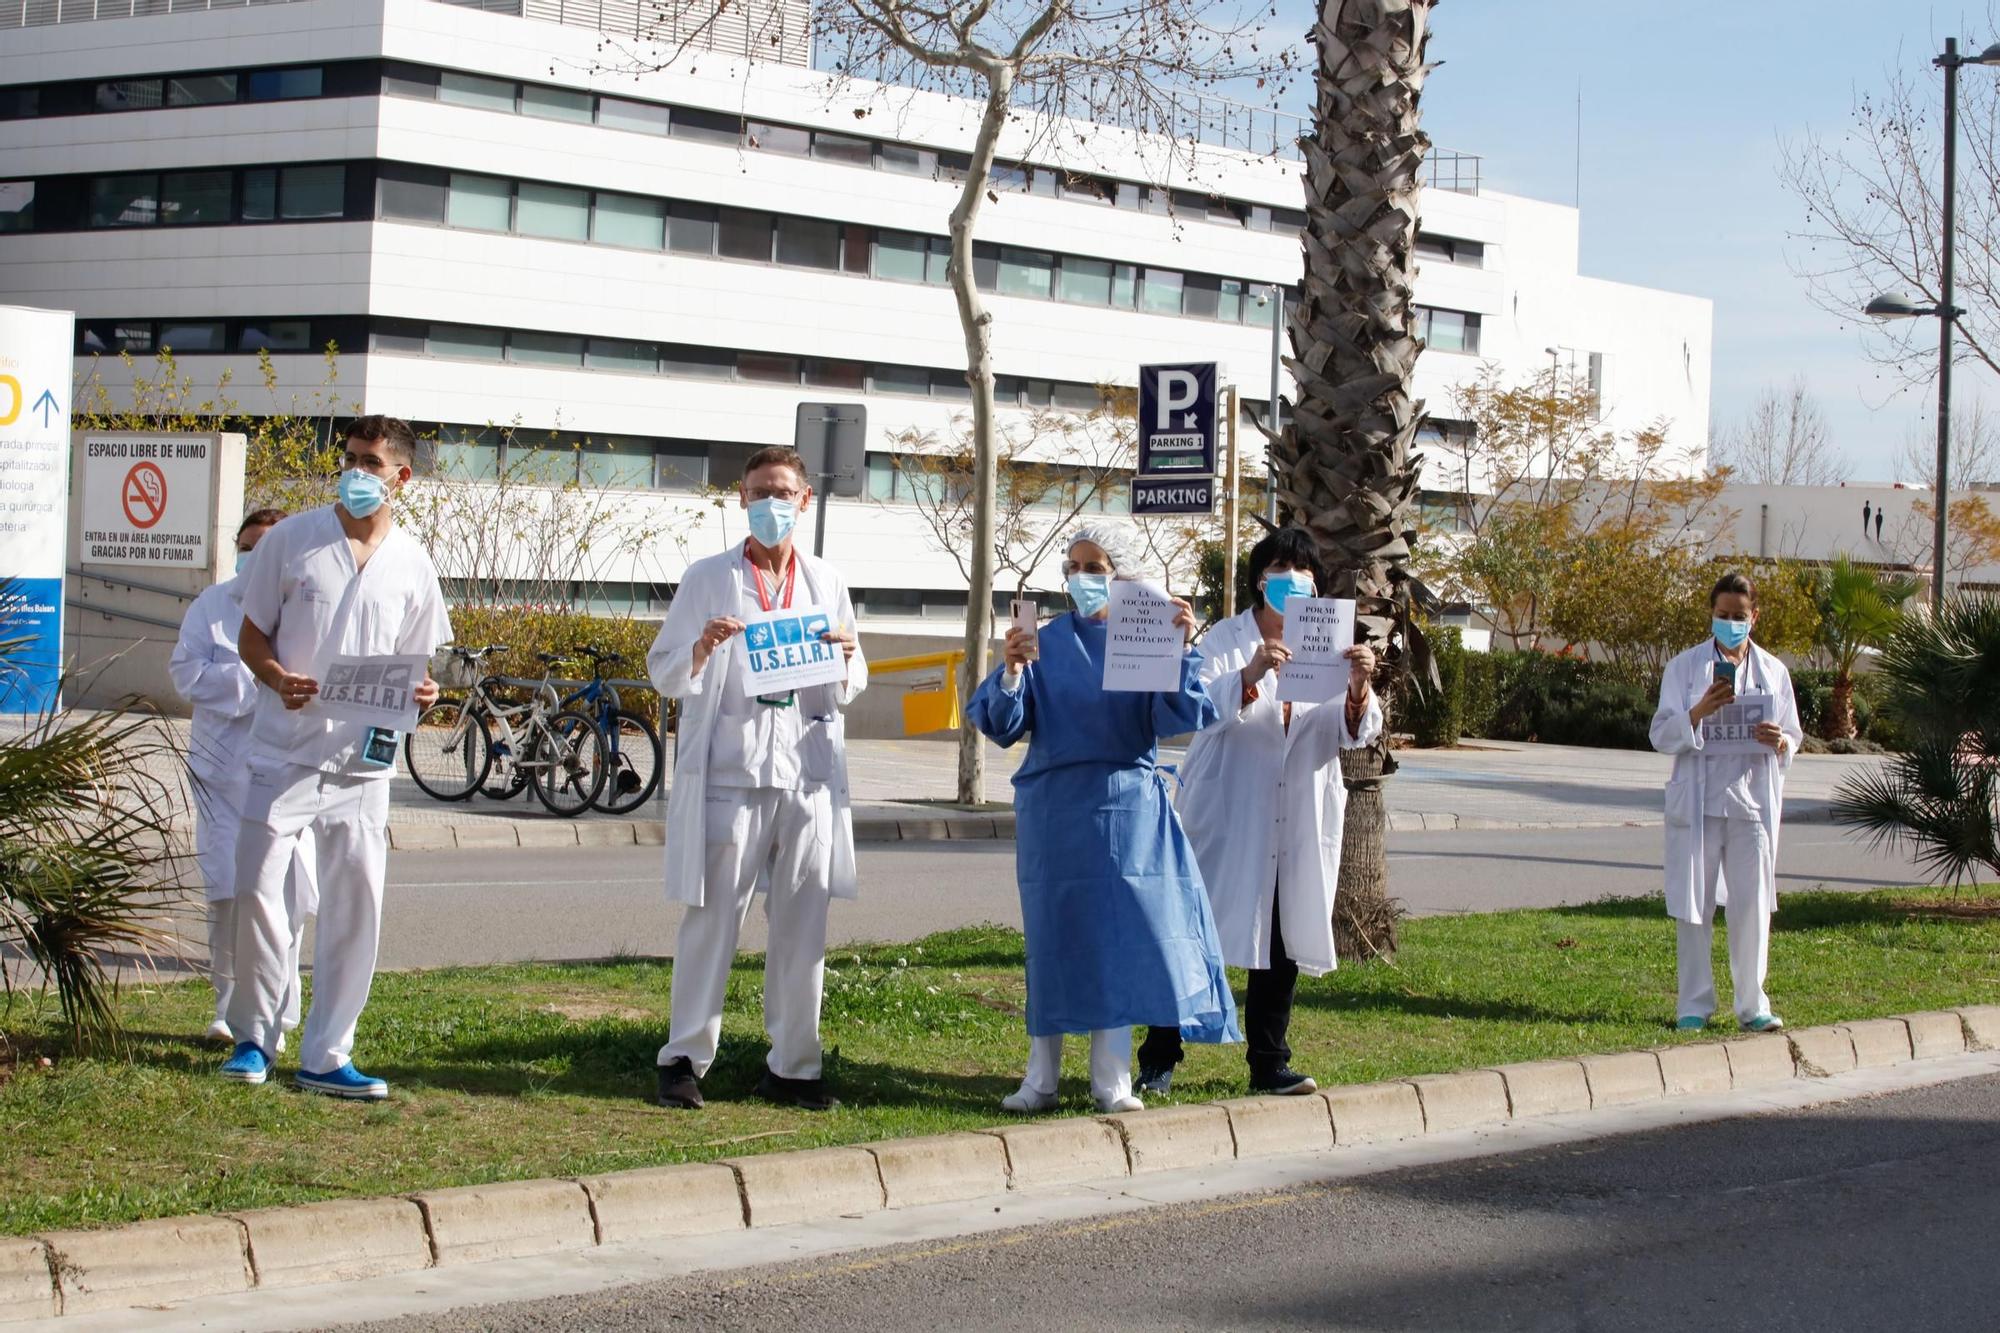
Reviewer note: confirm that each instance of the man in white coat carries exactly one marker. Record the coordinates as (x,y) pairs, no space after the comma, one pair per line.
(1263,802)
(209,674)
(340,581)
(1722,810)
(759,794)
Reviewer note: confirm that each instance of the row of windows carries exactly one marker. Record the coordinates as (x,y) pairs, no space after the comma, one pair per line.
(220,87)
(141,337)
(216,196)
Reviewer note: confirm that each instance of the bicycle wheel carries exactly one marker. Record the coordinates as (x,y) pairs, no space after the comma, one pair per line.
(507,778)
(632,765)
(449,751)
(567,771)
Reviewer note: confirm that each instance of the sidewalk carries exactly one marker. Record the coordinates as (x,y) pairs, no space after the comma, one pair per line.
(900,787)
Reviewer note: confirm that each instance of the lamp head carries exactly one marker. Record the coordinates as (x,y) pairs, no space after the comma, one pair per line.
(1896,305)
(1990,56)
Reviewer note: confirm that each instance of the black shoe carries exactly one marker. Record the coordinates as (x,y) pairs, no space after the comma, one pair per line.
(1284,1081)
(1154,1081)
(808,1094)
(679,1088)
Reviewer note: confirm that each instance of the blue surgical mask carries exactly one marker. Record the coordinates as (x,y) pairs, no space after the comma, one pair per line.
(771,520)
(243,561)
(1731,634)
(362,493)
(1282,587)
(1090,592)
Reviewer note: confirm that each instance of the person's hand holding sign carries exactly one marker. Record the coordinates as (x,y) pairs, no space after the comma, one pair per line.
(425,694)
(1360,671)
(295,690)
(1184,617)
(1721,693)
(842,636)
(1771,734)
(1271,654)
(713,635)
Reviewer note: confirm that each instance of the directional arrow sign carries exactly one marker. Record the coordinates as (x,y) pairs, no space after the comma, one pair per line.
(45,405)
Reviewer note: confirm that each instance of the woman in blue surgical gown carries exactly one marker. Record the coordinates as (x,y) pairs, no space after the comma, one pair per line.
(1118,927)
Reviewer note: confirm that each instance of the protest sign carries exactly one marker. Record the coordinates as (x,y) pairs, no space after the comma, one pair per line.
(1319,631)
(1143,646)
(1732,728)
(377,691)
(784,651)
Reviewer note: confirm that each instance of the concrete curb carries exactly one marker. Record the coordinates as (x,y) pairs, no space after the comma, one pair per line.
(172,1259)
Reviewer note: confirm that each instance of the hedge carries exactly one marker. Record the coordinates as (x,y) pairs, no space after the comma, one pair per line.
(1436,718)
(527,632)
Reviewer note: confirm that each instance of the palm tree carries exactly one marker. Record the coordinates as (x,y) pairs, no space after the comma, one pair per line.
(1938,797)
(1343,464)
(87,850)
(1856,611)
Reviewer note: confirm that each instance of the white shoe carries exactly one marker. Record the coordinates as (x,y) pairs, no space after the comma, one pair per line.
(1027,1101)
(219,1031)
(1116,1105)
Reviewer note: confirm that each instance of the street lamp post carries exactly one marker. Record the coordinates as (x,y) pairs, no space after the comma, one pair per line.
(1274,411)
(1903,306)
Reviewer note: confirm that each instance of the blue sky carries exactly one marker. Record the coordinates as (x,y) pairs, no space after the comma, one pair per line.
(1685,103)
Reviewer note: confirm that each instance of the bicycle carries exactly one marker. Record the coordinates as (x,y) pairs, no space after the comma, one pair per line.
(633,745)
(452,751)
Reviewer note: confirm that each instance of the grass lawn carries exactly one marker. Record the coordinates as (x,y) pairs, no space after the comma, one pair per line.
(508,1072)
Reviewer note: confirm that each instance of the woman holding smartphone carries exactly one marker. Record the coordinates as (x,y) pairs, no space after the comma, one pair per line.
(1119,930)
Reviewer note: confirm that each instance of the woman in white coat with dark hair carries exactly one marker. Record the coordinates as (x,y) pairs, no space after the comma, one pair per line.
(1263,802)
(1723,810)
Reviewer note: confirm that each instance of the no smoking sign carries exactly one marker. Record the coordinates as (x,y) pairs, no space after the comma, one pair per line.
(145,495)
(147,500)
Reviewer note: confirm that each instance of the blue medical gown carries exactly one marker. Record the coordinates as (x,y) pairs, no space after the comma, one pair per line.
(1118,925)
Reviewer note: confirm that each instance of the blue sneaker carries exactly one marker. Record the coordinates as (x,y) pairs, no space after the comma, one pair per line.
(247,1064)
(346,1081)
(1764,1023)
(1691,1023)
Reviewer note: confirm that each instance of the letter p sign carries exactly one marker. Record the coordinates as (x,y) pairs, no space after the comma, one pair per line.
(1179,391)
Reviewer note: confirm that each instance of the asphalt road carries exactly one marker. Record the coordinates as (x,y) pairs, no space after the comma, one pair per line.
(1869,1214)
(446,908)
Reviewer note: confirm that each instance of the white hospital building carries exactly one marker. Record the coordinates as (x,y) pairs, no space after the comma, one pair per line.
(494,227)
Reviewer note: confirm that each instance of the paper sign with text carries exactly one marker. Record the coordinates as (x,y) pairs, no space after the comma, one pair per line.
(784,652)
(376,691)
(1319,631)
(1143,646)
(1732,728)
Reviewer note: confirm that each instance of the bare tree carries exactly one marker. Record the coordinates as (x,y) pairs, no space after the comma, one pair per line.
(1035,68)
(1781,441)
(1874,215)
(1975,449)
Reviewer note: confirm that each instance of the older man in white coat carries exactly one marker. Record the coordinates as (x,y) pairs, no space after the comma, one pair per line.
(1723,810)
(209,674)
(1263,803)
(759,794)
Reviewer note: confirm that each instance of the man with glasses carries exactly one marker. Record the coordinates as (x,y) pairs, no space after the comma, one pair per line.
(759,793)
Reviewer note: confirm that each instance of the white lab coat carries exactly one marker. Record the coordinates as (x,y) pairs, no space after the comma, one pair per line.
(1683,683)
(1265,807)
(711,588)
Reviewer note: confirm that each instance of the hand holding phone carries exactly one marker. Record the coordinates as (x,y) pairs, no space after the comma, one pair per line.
(1026,617)
(1725,670)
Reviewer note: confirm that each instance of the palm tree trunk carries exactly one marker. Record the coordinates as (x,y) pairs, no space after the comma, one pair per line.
(1343,464)
(1839,722)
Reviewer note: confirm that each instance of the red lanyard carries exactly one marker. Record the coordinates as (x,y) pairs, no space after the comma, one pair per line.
(791,580)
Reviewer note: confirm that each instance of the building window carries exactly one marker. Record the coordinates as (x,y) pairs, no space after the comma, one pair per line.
(842,148)
(778,138)
(205,335)
(709,363)
(745,234)
(556,103)
(1451,250)
(899,256)
(767,367)
(615,113)
(312,192)
(545,349)
(824,373)
(625,464)
(412,194)
(403,340)
(856,246)
(553,211)
(629,220)
(481,202)
(124,201)
(1448,330)
(473,91)
(900,379)
(191,197)
(1025,272)
(951,384)
(691,229)
(680,467)
(907,159)
(17,206)
(20,103)
(274,85)
(129,95)
(117,336)
(809,243)
(465,343)
(1201,295)
(1087,281)
(621,354)
(201,89)
(705,126)
(1161,294)
(275,335)
(403,80)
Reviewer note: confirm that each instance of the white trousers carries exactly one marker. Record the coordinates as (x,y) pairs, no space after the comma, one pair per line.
(1735,849)
(1110,1064)
(782,840)
(222,961)
(348,820)
(218,824)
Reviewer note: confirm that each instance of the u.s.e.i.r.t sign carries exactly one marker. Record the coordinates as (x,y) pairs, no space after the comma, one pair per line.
(1177,445)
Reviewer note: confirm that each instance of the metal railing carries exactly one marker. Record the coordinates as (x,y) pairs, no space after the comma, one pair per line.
(37,13)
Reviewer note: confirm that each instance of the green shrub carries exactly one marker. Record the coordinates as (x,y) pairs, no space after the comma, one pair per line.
(528,631)
(1437,717)
(1476,713)
(1814,688)
(1563,701)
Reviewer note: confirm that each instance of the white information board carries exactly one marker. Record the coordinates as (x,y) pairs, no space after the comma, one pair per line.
(1319,631)
(146,500)
(378,691)
(1143,646)
(785,652)
(1732,728)
(35,370)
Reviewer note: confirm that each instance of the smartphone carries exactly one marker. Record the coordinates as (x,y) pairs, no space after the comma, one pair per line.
(379,750)
(1726,670)
(1026,617)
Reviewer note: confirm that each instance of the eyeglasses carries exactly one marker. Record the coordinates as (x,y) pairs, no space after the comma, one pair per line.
(774,493)
(1070,567)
